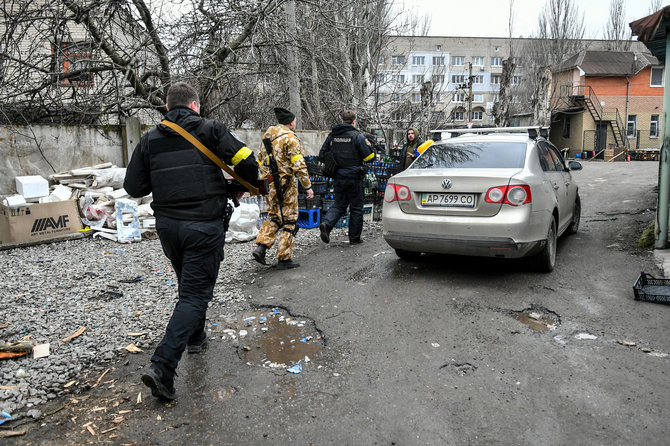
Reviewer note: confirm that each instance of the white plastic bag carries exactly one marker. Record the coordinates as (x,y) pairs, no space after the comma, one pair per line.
(242,227)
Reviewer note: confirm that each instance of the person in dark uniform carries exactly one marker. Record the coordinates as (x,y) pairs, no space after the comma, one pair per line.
(189,202)
(351,150)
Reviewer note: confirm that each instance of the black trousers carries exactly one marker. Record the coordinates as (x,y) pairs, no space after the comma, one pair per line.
(348,192)
(195,249)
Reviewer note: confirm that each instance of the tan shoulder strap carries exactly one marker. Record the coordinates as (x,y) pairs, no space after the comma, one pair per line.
(209,154)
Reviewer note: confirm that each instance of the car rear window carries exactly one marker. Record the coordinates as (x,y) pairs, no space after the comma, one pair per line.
(501,155)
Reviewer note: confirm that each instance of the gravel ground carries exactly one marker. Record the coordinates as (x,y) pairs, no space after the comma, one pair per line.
(50,291)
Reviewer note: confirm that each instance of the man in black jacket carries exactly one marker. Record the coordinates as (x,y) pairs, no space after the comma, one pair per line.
(351,150)
(189,202)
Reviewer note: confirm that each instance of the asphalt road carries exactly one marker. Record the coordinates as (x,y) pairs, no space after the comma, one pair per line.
(444,350)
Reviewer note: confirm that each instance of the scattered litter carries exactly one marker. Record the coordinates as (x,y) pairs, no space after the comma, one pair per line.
(139,398)
(140,333)
(336,374)
(132,348)
(535,316)
(627,343)
(307,339)
(583,336)
(434,344)
(81,330)
(307,359)
(243,333)
(133,280)
(249,319)
(8,434)
(295,369)
(41,351)
(263,319)
(658,354)
(4,417)
(21,373)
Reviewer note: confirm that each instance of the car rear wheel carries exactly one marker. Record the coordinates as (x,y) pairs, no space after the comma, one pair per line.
(576,217)
(407,255)
(546,259)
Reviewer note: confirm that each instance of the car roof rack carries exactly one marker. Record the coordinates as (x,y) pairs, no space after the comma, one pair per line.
(531,130)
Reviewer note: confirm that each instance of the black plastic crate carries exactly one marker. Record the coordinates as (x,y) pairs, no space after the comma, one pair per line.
(650,289)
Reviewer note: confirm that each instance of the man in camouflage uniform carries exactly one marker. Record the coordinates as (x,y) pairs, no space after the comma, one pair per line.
(289,154)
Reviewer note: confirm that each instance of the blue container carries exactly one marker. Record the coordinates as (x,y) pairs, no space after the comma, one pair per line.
(309,218)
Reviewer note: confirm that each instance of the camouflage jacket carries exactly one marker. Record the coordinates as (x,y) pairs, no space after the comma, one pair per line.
(289,154)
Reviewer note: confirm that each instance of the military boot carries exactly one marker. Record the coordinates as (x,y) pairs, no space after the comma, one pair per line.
(259,254)
(160,380)
(325,233)
(287,264)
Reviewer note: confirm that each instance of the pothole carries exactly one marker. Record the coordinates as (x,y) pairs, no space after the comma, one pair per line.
(275,339)
(538,319)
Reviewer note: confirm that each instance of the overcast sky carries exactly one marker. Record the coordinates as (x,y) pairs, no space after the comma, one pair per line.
(488,18)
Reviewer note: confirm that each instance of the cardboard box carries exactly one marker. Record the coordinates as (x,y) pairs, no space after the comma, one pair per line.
(38,222)
(32,186)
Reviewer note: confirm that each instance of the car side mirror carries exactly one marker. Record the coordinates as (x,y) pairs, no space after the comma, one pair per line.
(574,165)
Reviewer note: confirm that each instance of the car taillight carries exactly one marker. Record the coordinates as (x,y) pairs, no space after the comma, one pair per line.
(514,195)
(396,192)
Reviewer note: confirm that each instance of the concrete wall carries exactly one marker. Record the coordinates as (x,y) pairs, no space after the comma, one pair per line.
(47,149)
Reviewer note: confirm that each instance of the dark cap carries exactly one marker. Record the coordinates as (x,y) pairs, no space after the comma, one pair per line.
(284,116)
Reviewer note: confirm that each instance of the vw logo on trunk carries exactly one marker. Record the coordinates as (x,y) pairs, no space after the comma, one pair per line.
(446,183)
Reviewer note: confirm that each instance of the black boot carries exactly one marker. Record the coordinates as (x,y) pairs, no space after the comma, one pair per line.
(259,254)
(198,346)
(325,232)
(287,264)
(160,380)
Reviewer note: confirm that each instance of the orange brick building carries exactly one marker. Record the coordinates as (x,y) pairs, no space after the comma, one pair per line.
(608,100)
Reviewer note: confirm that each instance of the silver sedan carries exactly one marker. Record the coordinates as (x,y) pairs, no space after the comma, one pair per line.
(495,195)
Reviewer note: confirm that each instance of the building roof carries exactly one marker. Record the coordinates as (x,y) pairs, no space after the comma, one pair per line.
(653,31)
(608,63)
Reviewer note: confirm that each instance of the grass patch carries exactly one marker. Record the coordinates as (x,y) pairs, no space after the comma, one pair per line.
(648,237)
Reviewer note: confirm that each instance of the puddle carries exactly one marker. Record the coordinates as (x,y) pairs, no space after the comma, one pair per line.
(274,338)
(538,320)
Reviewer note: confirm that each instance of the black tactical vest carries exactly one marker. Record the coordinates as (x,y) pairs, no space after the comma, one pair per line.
(344,149)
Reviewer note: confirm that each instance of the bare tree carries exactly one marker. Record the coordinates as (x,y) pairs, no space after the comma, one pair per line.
(617,32)
(655,5)
(502,107)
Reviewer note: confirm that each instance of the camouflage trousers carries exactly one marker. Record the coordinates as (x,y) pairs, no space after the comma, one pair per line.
(268,232)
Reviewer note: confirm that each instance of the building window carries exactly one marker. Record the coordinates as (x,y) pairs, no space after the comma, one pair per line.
(395,97)
(478,79)
(381,78)
(477,115)
(566,127)
(437,116)
(418,60)
(478,98)
(438,78)
(70,63)
(438,97)
(459,115)
(495,79)
(397,60)
(399,78)
(478,61)
(380,98)
(417,78)
(438,60)
(496,98)
(438,47)
(631,128)
(457,78)
(458,61)
(396,116)
(416,97)
(496,61)
(653,126)
(516,79)
(458,97)
(657,75)
(380,60)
